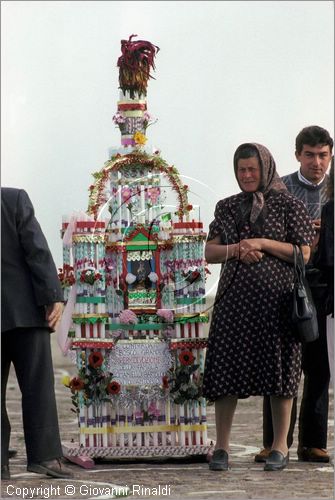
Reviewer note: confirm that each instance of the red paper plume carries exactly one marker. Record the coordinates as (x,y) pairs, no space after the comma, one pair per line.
(135,63)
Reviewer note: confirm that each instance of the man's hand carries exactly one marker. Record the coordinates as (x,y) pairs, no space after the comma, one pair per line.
(53,314)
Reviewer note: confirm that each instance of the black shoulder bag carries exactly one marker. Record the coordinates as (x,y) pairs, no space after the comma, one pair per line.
(304,314)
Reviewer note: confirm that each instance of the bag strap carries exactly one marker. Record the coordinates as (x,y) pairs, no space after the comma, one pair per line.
(298,262)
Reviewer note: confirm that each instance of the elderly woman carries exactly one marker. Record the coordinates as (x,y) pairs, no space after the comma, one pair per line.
(252,349)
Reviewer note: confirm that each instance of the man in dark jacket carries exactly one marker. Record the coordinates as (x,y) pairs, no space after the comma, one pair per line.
(31,299)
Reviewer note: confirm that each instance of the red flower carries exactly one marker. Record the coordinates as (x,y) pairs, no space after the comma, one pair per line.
(186,358)
(113,387)
(95,359)
(165,382)
(66,275)
(193,277)
(76,384)
(189,207)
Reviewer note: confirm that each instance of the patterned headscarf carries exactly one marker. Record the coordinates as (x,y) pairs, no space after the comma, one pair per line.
(270,180)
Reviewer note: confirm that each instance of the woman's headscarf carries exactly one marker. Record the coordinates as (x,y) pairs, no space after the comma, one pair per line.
(254,204)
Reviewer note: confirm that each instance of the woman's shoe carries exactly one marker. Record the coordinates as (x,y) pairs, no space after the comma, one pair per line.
(219,460)
(276,461)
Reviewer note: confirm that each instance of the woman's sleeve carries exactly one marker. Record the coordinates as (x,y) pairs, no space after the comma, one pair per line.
(216,227)
(299,225)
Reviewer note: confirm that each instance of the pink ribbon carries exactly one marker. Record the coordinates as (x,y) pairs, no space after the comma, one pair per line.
(62,330)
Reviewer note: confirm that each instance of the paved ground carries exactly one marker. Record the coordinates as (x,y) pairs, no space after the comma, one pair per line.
(176,479)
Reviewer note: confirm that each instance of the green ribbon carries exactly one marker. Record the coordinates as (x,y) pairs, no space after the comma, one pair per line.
(190,300)
(141,295)
(91,300)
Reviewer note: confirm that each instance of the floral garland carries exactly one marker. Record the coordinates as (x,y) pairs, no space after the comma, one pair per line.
(93,385)
(97,198)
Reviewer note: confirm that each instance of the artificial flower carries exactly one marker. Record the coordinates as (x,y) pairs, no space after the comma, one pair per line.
(153,194)
(165,382)
(118,118)
(90,276)
(166,314)
(186,358)
(66,379)
(193,276)
(95,359)
(66,275)
(126,194)
(113,387)
(140,138)
(128,317)
(77,384)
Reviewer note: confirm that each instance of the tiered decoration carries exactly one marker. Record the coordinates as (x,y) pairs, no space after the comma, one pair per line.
(135,286)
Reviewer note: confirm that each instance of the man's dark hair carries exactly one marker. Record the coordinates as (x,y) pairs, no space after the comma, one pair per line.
(313,136)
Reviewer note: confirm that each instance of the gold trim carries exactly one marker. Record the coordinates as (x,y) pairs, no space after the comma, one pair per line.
(126,429)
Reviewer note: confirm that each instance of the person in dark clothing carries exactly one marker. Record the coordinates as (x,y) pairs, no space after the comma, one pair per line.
(31,299)
(324,256)
(324,260)
(313,151)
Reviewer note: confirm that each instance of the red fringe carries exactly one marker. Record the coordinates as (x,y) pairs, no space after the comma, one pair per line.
(135,63)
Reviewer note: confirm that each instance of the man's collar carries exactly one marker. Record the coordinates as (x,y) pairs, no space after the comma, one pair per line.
(306,181)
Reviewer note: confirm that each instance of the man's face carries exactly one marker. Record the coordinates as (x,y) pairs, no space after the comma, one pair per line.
(314,161)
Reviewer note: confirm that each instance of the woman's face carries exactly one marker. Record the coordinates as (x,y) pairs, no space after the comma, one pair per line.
(249,174)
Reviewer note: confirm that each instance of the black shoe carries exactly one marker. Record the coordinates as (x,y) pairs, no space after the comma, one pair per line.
(5,474)
(276,461)
(219,460)
(52,468)
(12,453)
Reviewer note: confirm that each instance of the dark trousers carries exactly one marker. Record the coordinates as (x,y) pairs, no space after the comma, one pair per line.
(30,352)
(313,415)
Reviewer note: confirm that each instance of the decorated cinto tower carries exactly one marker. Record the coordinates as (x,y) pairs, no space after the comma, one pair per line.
(134,279)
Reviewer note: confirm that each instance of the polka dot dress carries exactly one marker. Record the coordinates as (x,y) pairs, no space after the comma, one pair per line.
(252,349)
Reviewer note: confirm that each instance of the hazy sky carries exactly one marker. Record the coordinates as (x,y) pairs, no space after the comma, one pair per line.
(226,73)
